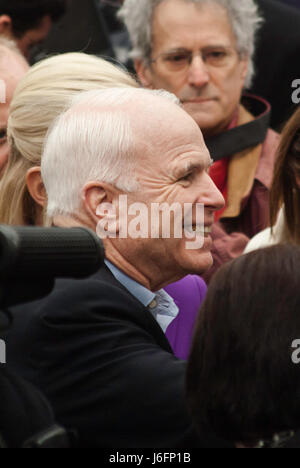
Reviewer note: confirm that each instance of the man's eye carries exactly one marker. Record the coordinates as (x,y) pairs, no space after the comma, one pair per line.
(187,177)
(177,58)
(216,56)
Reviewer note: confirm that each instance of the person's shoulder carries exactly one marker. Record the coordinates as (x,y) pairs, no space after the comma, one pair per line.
(95,313)
(102,282)
(100,287)
(269,236)
(187,286)
(81,301)
(261,240)
(199,285)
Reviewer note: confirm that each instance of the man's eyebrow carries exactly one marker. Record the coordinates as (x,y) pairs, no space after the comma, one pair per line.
(216,46)
(192,166)
(175,50)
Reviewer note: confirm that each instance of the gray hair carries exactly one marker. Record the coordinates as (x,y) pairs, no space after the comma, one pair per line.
(93,140)
(244,17)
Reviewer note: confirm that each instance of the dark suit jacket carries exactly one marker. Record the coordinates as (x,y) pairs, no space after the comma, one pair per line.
(105,365)
(24,412)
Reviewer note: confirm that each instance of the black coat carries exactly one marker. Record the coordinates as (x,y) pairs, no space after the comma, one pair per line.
(24,412)
(105,365)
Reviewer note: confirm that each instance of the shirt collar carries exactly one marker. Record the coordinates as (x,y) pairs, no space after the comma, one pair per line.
(160,304)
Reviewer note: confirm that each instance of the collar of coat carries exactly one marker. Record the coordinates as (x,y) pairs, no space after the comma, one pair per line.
(251,129)
(243,144)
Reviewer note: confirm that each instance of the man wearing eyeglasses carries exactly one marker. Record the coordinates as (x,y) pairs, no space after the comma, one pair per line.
(202,51)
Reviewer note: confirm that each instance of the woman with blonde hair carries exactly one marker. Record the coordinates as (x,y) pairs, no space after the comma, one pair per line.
(39,98)
(285,192)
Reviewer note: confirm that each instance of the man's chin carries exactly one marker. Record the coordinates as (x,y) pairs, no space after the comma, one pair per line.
(200,265)
(203,118)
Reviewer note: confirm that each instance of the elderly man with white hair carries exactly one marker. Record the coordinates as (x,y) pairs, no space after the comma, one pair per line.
(97,347)
(203,51)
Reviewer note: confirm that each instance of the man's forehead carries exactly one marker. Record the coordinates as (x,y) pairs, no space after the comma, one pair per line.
(180,143)
(196,158)
(186,12)
(202,161)
(169,126)
(178,24)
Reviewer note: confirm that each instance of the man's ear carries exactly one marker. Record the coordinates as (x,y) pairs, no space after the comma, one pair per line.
(36,186)
(100,201)
(144,73)
(5,25)
(297,177)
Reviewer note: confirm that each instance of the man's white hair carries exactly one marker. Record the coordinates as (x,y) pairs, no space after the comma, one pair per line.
(243,15)
(93,140)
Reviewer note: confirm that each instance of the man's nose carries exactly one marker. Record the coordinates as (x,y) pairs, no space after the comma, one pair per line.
(198,73)
(213,199)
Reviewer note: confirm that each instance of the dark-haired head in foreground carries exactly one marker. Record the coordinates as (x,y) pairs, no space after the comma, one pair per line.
(286,183)
(241,380)
(28,22)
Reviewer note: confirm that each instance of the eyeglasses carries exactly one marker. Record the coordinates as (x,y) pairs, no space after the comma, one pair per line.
(180,60)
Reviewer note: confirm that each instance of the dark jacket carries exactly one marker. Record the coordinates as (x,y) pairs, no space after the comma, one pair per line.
(24,412)
(105,365)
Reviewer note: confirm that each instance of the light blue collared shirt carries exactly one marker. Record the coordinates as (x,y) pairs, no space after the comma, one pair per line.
(160,304)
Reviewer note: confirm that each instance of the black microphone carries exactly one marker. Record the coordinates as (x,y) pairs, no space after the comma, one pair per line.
(27,252)
(31,258)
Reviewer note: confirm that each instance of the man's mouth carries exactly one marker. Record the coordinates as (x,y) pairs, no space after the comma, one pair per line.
(198,100)
(199,229)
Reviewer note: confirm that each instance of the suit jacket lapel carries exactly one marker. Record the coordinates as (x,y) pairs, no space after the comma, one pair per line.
(140,314)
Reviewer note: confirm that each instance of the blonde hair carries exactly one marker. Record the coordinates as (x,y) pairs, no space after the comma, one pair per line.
(40,97)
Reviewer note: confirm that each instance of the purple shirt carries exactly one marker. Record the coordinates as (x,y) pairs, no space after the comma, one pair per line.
(188,295)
